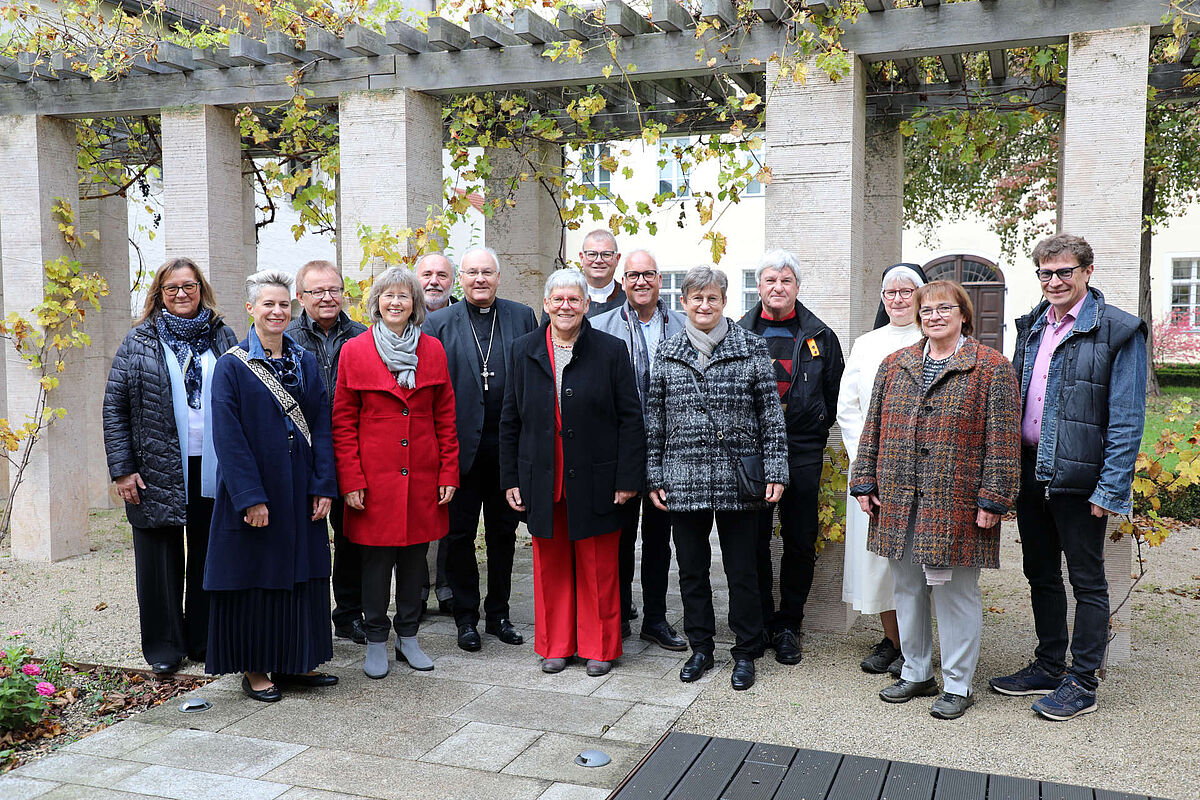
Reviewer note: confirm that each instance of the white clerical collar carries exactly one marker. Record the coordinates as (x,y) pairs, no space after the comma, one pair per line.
(601,295)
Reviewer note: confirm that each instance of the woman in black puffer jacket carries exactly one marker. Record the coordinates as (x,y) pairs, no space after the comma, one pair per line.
(158,439)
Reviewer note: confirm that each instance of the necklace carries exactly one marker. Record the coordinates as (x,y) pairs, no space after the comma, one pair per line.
(485,356)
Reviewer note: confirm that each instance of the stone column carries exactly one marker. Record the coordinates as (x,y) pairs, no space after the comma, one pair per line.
(202,198)
(1100,175)
(108,256)
(249,217)
(883,212)
(527,235)
(37,166)
(816,142)
(391,168)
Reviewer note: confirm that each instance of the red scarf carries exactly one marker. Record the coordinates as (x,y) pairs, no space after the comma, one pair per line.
(558,449)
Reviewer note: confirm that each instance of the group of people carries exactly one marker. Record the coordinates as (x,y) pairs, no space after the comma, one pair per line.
(614,412)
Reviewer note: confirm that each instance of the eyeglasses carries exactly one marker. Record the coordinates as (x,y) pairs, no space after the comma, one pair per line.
(389,297)
(1064,274)
(570,302)
(942,311)
(648,276)
(317,294)
(892,294)
(186,288)
(599,255)
(472,274)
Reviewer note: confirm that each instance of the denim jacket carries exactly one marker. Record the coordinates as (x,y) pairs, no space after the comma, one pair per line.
(1101,364)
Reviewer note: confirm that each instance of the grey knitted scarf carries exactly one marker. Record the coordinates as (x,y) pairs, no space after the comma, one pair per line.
(399,352)
(706,343)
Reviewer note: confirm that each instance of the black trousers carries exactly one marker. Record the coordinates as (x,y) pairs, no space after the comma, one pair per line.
(347,572)
(798,526)
(172,603)
(1051,528)
(378,563)
(737,531)
(480,489)
(440,587)
(656,559)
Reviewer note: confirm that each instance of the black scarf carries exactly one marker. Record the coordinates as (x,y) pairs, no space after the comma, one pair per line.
(189,339)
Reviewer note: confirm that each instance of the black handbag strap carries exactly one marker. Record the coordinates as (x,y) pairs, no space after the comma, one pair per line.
(711,421)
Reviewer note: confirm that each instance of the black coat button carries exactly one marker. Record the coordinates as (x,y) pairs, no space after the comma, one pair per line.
(927,408)
(924,451)
(570,433)
(568,392)
(404,442)
(403,471)
(570,473)
(920,492)
(405,412)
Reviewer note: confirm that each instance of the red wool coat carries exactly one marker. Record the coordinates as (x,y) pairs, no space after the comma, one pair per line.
(398,444)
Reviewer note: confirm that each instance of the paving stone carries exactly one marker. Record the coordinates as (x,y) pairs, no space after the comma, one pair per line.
(18,787)
(653,662)
(545,711)
(216,752)
(306,793)
(661,691)
(188,784)
(384,729)
(227,708)
(573,791)
(552,757)
(482,746)
(400,779)
(524,675)
(79,768)
(644,723)
(76,792)
(406,690)
(117,740)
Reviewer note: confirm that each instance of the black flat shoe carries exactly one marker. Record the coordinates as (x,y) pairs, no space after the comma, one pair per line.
(695,667)
(269,695)
(165,667)
(468,638)
(504,631)
(354,632)
(316,680)
(743,675)
(664,636)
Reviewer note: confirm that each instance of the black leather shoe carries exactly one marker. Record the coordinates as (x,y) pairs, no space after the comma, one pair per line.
(468,638)
(695,667)
(664,636)
(787,647)
(504,631)
(165,667)
(354,632)
(743,675)
(315,680)
(902,691)
(269,695)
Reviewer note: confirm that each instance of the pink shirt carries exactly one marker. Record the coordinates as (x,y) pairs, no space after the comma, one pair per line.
(1035,399)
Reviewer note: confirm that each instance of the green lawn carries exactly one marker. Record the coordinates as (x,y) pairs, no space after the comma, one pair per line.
(1156,417)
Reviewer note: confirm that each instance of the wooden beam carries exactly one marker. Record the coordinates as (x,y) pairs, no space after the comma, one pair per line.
(1191,46)
(534,28)
(623,20)
(364,41)
(282,47)
(578,28)
(247,52)
(321,42)
(668,15)
(875,6)
(63,63)
(821,6)
(673,89)
(173,55)
(743,82)
(404,38)
(719,11)
(907,67)
(487,31)
(931,3)
(32,65)
(770,10)
(445,35)
(145,66)
(214,57)
(952,63)
(1007,95)
(998,61)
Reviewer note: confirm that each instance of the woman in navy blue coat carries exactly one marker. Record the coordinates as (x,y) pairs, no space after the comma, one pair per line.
(268,552)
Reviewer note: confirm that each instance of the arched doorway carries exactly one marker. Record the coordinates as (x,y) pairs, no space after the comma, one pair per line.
(984,283)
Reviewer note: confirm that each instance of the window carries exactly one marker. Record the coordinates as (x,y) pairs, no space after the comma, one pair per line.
(594,174)
(754,162)
(672,176)
(749,289)
(672,282)
(1185,290)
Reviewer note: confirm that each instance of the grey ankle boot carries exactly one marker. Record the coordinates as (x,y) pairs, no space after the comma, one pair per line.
(375,665)
(408,650)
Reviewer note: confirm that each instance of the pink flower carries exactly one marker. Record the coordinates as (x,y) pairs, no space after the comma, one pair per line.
(45,689)
(31,669)
(16,633)
(3,654)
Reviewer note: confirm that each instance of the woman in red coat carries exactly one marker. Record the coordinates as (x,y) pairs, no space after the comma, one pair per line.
(397,459)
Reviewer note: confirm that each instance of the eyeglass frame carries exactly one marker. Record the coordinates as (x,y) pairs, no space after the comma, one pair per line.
(187,288)
(883,293)
(1057,273)
(319,294)
(571,302)
(942,311)
(648,276)
(600,255)
(479,273)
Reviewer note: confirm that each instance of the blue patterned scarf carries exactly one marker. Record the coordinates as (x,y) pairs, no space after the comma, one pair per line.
(189,339)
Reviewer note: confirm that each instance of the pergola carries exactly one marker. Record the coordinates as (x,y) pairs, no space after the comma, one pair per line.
(833,148)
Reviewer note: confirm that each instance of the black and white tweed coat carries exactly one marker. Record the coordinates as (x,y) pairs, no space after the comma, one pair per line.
(685,457)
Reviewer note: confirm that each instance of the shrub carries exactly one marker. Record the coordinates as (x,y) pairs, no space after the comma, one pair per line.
(24,691)
(1159,490)
(1176,341)
(1178,375)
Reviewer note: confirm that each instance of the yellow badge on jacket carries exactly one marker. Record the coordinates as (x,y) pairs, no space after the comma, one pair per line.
(812,348)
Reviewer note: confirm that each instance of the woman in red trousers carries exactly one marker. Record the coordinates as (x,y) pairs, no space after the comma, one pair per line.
(397,459)
(572,449)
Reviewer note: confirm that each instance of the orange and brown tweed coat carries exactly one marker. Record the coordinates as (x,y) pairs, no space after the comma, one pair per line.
(948,451)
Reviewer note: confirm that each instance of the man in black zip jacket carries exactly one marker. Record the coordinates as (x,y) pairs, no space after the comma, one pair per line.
(322,328)
(808,362)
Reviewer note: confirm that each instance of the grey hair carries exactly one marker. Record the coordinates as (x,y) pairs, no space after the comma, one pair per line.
(897,274)
(318,265)
(481,249)
(701,277)
(603,233)
(267,277)
(391,278)
(453,268)
(780,260)
(568,276)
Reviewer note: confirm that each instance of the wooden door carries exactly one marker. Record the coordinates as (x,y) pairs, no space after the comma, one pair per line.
(984,283)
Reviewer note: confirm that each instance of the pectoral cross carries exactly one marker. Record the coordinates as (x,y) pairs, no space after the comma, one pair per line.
(484,372)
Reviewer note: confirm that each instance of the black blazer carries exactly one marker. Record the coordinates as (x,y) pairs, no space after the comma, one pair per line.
(452,328)
(603,437)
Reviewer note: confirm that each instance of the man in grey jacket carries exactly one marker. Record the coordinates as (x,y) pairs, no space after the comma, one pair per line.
(642,323)
(322,328)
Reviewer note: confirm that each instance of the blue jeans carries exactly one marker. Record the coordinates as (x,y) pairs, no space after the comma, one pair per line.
(1051,528)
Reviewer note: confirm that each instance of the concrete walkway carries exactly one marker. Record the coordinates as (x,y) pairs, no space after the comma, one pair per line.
(480,725)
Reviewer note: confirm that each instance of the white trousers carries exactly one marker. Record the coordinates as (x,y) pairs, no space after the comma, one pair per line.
(959,607)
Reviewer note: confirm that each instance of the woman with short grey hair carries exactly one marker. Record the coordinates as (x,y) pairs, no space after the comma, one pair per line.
(393,279)
(713,412)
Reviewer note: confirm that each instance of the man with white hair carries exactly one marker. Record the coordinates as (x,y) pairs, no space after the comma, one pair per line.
(807,357)
(478,336)
(435,273)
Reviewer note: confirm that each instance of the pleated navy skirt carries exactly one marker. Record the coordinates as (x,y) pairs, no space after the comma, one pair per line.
(269,630)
